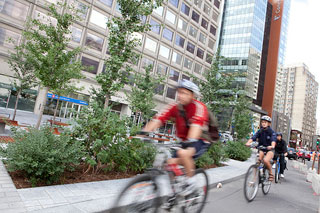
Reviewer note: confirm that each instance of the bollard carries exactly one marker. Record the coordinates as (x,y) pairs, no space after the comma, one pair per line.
(318,164)
(313,161)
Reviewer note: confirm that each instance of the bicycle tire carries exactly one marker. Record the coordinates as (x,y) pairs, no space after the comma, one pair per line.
(276,173)
(266,184)
(202,190)
(135,184)
(253,184)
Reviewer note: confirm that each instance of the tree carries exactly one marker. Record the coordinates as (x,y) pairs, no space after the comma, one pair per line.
(242,115)
(122,43)
(142,93)
(217,91)
(23,72)
(47,47)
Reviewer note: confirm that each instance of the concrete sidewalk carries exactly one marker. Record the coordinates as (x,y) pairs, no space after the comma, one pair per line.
(95,196)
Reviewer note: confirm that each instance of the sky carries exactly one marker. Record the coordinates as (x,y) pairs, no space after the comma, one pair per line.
(303,39)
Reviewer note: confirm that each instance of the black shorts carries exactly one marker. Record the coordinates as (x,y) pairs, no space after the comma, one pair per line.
(200,146)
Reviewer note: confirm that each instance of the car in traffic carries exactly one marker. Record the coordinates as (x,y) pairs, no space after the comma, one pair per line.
(303,153)
(292,154)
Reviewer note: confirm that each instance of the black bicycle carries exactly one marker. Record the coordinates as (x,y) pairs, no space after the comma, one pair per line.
(142,194)
(257,174)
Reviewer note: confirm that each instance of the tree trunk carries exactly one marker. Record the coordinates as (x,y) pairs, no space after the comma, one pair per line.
(16,105)
(42,108)
(106,102)
(55,111)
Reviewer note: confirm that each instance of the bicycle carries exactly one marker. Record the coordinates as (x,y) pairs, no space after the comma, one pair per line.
(260,175)
(142,193)
(277,169)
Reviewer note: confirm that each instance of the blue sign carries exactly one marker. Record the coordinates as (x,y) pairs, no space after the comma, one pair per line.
(72,100)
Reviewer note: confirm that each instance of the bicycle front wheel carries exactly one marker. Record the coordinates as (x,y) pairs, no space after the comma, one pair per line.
(195,202)
(140,195)
(251,183)
(266,184)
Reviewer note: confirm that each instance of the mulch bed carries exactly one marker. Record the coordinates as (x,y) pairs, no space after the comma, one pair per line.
(76,176)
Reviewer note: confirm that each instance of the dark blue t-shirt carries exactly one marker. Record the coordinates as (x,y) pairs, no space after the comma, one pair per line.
(266,136)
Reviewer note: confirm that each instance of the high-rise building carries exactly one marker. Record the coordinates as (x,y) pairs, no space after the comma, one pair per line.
(179,45)
(300,102)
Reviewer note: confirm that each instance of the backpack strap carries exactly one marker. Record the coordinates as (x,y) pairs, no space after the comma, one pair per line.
(182,113)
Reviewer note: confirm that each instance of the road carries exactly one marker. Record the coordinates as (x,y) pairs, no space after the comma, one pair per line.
(293,194)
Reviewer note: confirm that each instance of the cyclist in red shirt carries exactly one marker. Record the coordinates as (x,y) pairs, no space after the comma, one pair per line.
(191,118)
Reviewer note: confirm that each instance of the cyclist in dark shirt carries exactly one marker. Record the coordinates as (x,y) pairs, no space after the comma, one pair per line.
(267,138)
(281,148)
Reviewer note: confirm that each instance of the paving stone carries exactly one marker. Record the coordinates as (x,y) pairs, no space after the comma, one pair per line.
(46,202)
(31,203)
(15,210)
(12,194)
(16,205)
(33,194)
(10,199)
(56,196)
(33,208)
(4,206)
(61,209)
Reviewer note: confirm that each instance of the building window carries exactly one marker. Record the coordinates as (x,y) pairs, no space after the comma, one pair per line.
(211,44)
(209,58)
(190,47)
(167,34)
(150,45)
(174,2)
(107,2)
(90,65)
(197,68)
(180,41)
(202,38)
(244,62)
(198,3)
(162,69)
(200,53)
(185,77)
(182,25)
(159,89)
(159,11)
(174,75)
(215,16)
(187,63)
(171,93)
(216,3)
(146,62)
(99,19)
(155,26)
(204,23)
(185,9)
(94,42)
(195,16)
(76,34)
(164,52)
(5,35)
(206,9)
(213,30)
(176,58)
(14,9)
(170,17)
(193,31)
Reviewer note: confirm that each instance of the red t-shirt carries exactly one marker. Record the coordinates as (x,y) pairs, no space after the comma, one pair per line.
(196,113)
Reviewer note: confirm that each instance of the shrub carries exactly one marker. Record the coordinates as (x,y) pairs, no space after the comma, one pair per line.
(105,137)
(213,156)
(237,151)
(41,155)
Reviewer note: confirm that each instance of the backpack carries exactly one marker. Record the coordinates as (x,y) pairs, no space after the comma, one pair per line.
(212,134)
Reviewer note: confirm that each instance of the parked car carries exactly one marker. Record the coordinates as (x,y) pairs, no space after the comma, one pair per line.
(304,153)
(225,137)
(292,154)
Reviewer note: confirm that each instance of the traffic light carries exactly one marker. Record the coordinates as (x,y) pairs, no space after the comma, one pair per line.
(318,142)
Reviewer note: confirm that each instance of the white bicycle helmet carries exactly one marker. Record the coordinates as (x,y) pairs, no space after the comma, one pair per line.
(266,118)
(189,86)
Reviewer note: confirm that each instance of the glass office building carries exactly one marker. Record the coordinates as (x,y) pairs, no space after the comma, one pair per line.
(179,46)
(241,41)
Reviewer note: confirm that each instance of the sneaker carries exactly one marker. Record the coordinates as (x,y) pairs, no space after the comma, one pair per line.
(189,187)
(281,175)
(274,166)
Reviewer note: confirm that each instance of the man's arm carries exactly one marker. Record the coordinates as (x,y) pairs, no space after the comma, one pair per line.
(152,125)
(253,138)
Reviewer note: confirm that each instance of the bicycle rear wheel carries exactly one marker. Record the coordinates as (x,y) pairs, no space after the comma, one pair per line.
(266,184)
(276,173)
(251,183)
(195,202)
(140,195)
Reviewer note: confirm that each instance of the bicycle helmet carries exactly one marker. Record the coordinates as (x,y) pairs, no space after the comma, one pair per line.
(266,118)
(279,134)
(189,86)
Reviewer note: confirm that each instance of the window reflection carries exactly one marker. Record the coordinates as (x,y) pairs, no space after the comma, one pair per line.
(90,65)
(4,38)
(93,41)
(99,19)
(76,34)
(14,9)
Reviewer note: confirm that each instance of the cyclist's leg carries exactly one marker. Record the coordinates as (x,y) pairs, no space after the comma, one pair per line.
(261,156)
(184,157)
(282,166)
(267,160)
